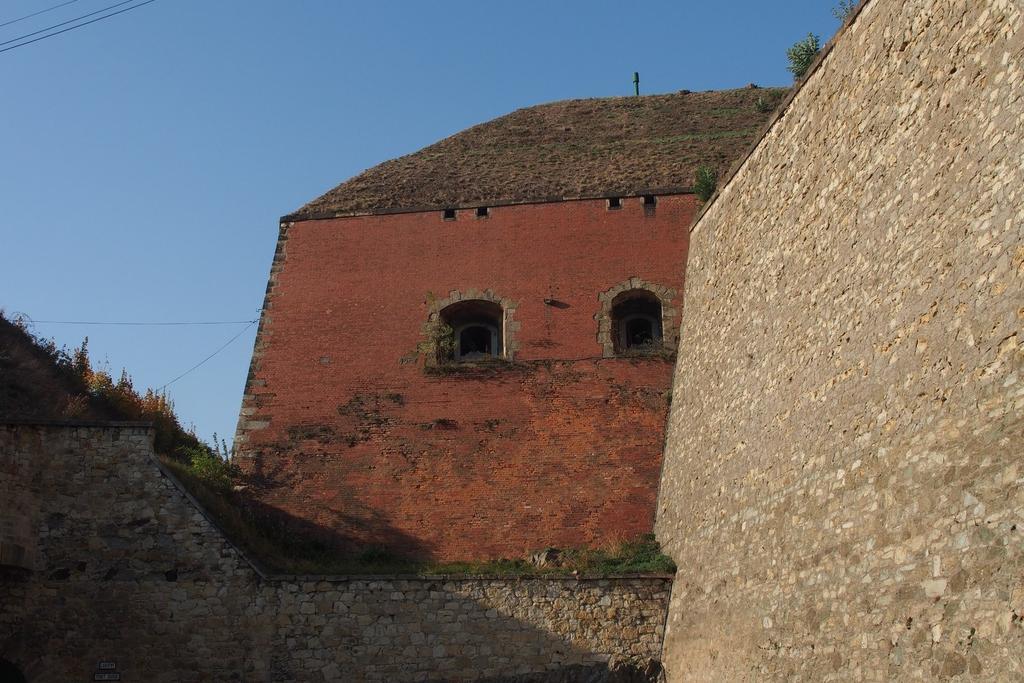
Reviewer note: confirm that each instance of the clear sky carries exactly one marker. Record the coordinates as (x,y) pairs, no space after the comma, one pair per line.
(147,158)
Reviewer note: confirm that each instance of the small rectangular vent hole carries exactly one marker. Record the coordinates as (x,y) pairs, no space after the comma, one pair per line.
(650,201)
(614,203)
(449,214)
(482,212)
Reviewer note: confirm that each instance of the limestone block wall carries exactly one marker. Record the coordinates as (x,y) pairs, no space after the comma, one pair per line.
(126,571)
(469,629)
(843,479)
(19,511)
(129,571)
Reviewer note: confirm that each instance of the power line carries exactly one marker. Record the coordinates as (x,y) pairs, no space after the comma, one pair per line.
(97,322)
(35,14)
(200,363)
(65,23)
(72,28)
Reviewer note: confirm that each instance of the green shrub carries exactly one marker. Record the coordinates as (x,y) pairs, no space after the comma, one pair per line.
(844,10)
(802,55)
(706,182)
(208,466)
(641,555)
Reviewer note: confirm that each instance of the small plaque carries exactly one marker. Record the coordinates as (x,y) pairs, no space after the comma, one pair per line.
(106,677)
(107,666)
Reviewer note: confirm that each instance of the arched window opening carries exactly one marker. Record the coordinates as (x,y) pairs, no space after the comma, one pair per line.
(476,330)
(636,321)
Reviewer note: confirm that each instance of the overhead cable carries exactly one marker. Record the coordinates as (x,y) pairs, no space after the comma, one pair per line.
(71,28)
(99,322)
(200,363)
(36,14)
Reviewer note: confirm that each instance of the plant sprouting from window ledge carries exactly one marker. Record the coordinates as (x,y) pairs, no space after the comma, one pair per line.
(437,345)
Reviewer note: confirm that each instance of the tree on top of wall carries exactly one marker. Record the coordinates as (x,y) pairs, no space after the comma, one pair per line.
(802,54)
(844,10)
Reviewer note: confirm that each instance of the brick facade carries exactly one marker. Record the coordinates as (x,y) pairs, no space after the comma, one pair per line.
(353,432)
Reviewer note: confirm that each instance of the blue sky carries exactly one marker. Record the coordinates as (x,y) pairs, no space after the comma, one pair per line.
(147,157)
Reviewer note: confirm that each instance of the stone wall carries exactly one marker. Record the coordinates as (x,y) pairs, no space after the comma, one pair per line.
(843,480)
(127,569)
(468,629)
(130,571)
(19,505)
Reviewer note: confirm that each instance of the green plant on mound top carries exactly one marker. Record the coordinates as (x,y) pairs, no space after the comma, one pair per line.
(802,54)
(844,10)
(706,182)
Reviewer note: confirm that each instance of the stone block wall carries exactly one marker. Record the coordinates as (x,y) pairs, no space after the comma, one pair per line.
(19,511)
(469,629)
(843,480)
(127,569)
(130,571)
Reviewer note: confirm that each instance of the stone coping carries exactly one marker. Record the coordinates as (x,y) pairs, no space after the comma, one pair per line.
(296,217)
(506,578)
(28,422)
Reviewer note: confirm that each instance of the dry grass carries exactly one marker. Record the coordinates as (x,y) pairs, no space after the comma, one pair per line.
(563,150)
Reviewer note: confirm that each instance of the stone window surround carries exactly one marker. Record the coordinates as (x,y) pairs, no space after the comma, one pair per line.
(509,327)
(669,314)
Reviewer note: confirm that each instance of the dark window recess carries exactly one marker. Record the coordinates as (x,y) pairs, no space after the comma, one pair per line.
(476,328)
(475,342)
(614,203)
(449,214)
(9,673)
(482,212)
(639,332)
(636,322)
(650,201)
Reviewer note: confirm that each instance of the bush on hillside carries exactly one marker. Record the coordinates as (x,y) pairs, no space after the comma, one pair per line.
(67,386)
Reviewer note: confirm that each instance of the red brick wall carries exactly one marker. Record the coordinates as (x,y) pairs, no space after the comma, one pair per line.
(561,448)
